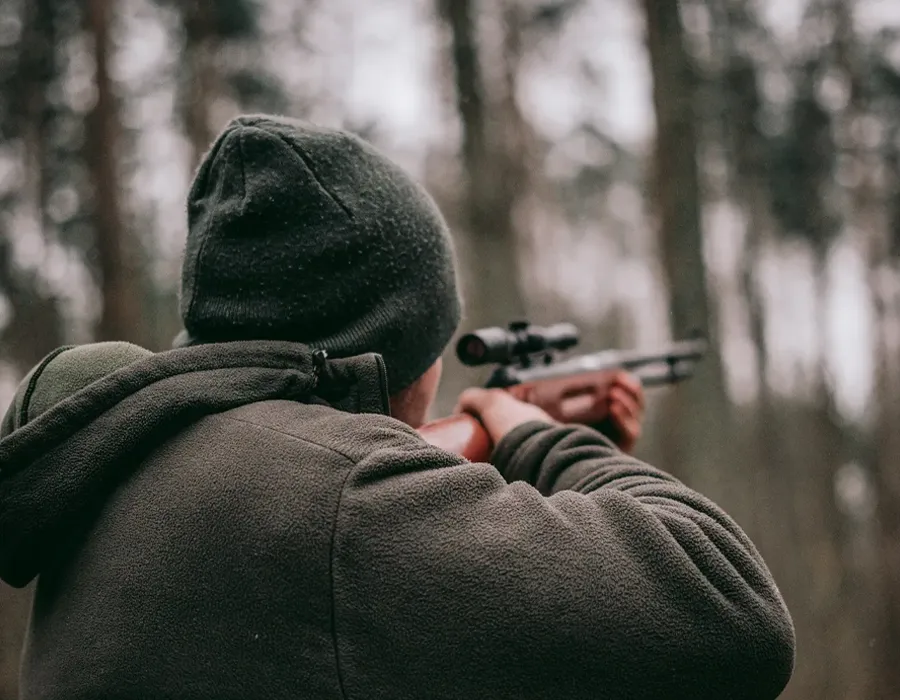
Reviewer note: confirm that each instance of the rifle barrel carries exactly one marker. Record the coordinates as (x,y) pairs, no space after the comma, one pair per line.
(665,366)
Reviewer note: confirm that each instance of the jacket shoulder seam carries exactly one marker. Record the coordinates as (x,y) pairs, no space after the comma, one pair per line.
(32,384)
(293,436)
(334,527)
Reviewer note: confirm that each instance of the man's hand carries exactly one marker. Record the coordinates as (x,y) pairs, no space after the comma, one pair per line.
(616,409)
(626,410)
(499,411)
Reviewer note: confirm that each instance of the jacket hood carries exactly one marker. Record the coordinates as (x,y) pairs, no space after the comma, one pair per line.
(87,414)
(64,372)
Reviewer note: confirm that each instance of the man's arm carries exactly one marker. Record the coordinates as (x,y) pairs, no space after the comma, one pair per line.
(568,571)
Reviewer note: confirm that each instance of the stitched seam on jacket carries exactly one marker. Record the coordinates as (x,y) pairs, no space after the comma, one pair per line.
(32,385)
(352,464)
(334,634)
(299,438)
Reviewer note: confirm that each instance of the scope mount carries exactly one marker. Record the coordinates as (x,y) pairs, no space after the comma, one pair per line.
(518,347)
(524,358)
(506,373)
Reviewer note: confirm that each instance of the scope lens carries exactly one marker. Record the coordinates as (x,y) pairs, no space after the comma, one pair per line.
(475,348)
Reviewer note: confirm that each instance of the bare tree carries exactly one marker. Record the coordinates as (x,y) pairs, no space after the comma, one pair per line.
(493,182)
(698,413)
(119,281)
(495,174)
(202,83)
(36,325)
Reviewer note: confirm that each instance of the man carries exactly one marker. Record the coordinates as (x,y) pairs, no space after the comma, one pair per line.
(248,517)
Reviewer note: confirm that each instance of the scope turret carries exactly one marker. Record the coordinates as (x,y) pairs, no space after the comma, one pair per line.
(519,343)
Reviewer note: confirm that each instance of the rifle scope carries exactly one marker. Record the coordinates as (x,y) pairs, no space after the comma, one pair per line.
(499,346)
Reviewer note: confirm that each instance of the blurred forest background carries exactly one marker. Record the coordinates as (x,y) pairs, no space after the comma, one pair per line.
(641,168)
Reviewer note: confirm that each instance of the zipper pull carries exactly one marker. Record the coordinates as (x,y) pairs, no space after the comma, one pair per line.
(320,366)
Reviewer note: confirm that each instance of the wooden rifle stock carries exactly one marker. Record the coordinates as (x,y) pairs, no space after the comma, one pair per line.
(461,434)
(573,391)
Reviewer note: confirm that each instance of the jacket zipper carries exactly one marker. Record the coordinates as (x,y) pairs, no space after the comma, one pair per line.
(383,381)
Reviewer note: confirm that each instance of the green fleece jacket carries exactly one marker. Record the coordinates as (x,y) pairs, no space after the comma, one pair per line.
(224,522)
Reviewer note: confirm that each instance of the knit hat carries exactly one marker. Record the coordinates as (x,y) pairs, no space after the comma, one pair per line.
(303,233)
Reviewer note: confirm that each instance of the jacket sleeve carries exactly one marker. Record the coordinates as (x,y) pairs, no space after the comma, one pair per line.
(567,570)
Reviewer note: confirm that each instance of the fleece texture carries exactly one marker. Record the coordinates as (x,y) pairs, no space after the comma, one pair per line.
(232,521)
(303,233)
(64,372)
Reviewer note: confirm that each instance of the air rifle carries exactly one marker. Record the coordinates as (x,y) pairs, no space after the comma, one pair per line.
(530,363)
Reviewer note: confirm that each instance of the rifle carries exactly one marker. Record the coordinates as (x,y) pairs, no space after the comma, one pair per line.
(529,364)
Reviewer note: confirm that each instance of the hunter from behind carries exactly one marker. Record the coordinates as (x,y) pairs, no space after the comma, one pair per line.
(253,513)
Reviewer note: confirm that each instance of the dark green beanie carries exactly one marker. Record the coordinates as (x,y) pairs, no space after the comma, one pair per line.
(298,232)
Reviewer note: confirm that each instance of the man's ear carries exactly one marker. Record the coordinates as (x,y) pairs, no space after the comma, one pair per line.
(411,405)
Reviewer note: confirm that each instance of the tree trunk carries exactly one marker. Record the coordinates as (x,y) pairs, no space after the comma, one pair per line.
(491,184)
(494,182)
(119,286)
(36,327)
(37,69)
(699,420)
(864,601)
(887,470)
(884,283)
(201,84)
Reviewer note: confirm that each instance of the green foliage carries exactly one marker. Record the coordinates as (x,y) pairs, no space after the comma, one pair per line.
(262,91)
(803,160)
(551,16)
(223,19)
(236,19)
